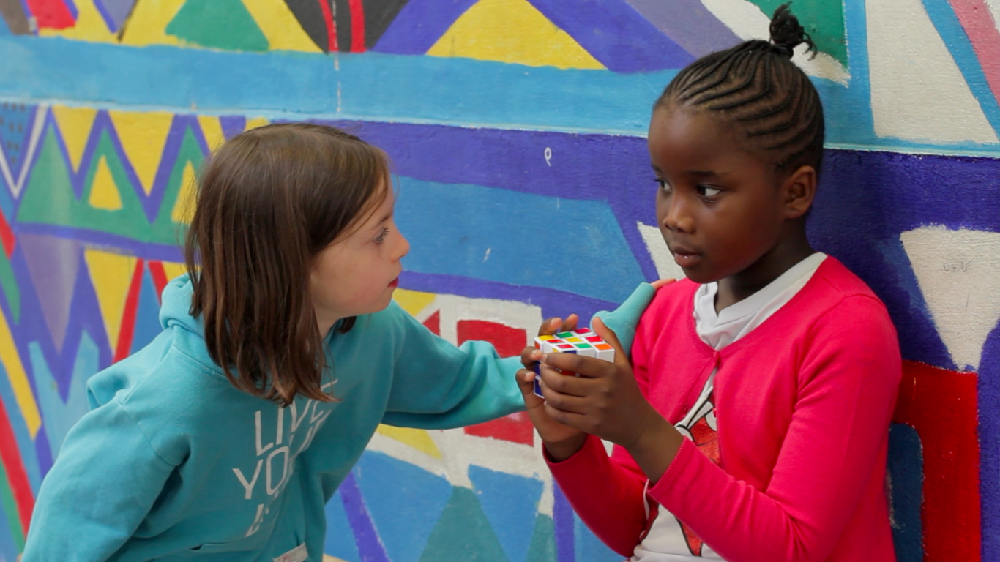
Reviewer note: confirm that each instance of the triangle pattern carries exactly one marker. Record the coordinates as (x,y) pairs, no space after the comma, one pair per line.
(179,192)
(147,315)
(403,517)
(174,270)
(197,23)
(507,500)
(60,414)
(587,547)
(127,220)
(103,192)
(340,536)
(143,136)
(90,25)
(115,12)
(930,73)
(279,25)
(11,290)
(148,23)
(50,14)
(111,275)
(528,37)
(463,528)
(75,124)
(49,198)
(211,129)
(53,264)
(959,277)
(543,543)
(416,438)
(16,120)
(413,302)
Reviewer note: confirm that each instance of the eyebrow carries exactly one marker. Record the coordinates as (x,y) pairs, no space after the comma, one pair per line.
(698,173)
(383,219)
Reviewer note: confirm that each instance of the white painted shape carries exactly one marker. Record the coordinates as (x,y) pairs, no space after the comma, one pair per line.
(917,90)
(17,184)
(959,275)
(748,22)
(515,314)
(994,8)
(666,267)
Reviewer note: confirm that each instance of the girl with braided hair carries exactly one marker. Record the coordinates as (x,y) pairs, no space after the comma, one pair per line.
(751,423)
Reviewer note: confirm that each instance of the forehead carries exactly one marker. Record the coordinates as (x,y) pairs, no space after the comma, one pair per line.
(681,134)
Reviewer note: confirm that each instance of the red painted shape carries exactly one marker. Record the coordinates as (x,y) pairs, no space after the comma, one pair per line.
(975,18)
(433,323)
(6,236)
(357,26)
(16,475)
(515,428)
(127,330)
(159,278)
(942,406)
(51,14)
(331,29)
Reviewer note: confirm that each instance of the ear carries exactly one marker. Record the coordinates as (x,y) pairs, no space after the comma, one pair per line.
(799,190)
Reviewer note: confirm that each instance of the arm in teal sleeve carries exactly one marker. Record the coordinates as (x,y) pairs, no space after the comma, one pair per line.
(439,386)
(624,319)
(99,490)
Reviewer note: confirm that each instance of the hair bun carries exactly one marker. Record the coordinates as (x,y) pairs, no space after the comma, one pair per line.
(787,33)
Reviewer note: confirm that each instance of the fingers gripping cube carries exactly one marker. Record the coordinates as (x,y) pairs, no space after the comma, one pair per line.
(581,342)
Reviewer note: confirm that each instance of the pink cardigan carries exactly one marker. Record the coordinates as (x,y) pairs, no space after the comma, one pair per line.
(803,405)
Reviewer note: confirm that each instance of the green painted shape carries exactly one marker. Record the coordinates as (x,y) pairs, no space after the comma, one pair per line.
(48,198)
(10,509)
(543,541)
(129,221)
(461,530)
(10,288)
(218,24)
(165,230)
(823,21)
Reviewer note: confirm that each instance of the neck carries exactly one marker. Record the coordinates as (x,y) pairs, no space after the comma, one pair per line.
(779,259)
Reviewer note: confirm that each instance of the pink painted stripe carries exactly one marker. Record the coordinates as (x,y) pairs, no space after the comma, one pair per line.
(975,18)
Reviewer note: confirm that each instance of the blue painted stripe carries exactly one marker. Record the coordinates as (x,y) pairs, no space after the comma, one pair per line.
(989,454)
(943,17)
(516,238)
(368,87)
(905,465)
(600,26)
(420,24)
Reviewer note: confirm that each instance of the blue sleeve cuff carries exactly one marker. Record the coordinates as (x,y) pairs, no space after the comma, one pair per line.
(624,319)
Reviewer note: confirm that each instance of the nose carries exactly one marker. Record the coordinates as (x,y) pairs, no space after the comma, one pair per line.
(402,247)
(678,217)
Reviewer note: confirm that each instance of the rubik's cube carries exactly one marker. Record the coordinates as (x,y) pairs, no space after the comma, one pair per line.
(581,342)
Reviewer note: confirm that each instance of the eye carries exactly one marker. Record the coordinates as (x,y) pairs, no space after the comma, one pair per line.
(664,186)
(381,237)
(708,192)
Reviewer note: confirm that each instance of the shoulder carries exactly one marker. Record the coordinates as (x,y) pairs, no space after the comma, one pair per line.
(671,299)
(835,295)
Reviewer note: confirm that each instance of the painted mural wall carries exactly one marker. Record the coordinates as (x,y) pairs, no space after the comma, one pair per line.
(503,118)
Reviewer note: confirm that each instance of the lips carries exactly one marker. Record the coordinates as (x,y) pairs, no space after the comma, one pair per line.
(685,257)
(394,283)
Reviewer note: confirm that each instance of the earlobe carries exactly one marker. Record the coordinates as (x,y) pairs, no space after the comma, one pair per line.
(799,190)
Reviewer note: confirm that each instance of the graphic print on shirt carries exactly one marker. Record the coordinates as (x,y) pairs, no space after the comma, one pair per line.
(699,426)
(276,450)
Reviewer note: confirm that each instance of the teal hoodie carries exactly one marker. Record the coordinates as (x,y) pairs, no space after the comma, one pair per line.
(174,463)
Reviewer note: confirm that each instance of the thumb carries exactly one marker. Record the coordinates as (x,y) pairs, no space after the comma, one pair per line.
(608,335)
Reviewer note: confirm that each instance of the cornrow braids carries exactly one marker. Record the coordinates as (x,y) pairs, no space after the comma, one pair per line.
(756,86)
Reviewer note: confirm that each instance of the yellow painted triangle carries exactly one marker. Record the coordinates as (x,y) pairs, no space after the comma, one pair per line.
(183,210)
(511,31)
(416,438)
(112,276)
(174,270)
(282,30)
(211,127)
(75,124)
(143,136)
(255,122)
(413,301)
(18,380)
(89,26)
(103,192)
(148,23)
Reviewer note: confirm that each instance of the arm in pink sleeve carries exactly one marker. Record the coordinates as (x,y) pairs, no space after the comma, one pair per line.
(608,492)
(848,385)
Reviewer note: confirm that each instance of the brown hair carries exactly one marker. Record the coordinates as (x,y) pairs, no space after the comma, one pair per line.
(269,201)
